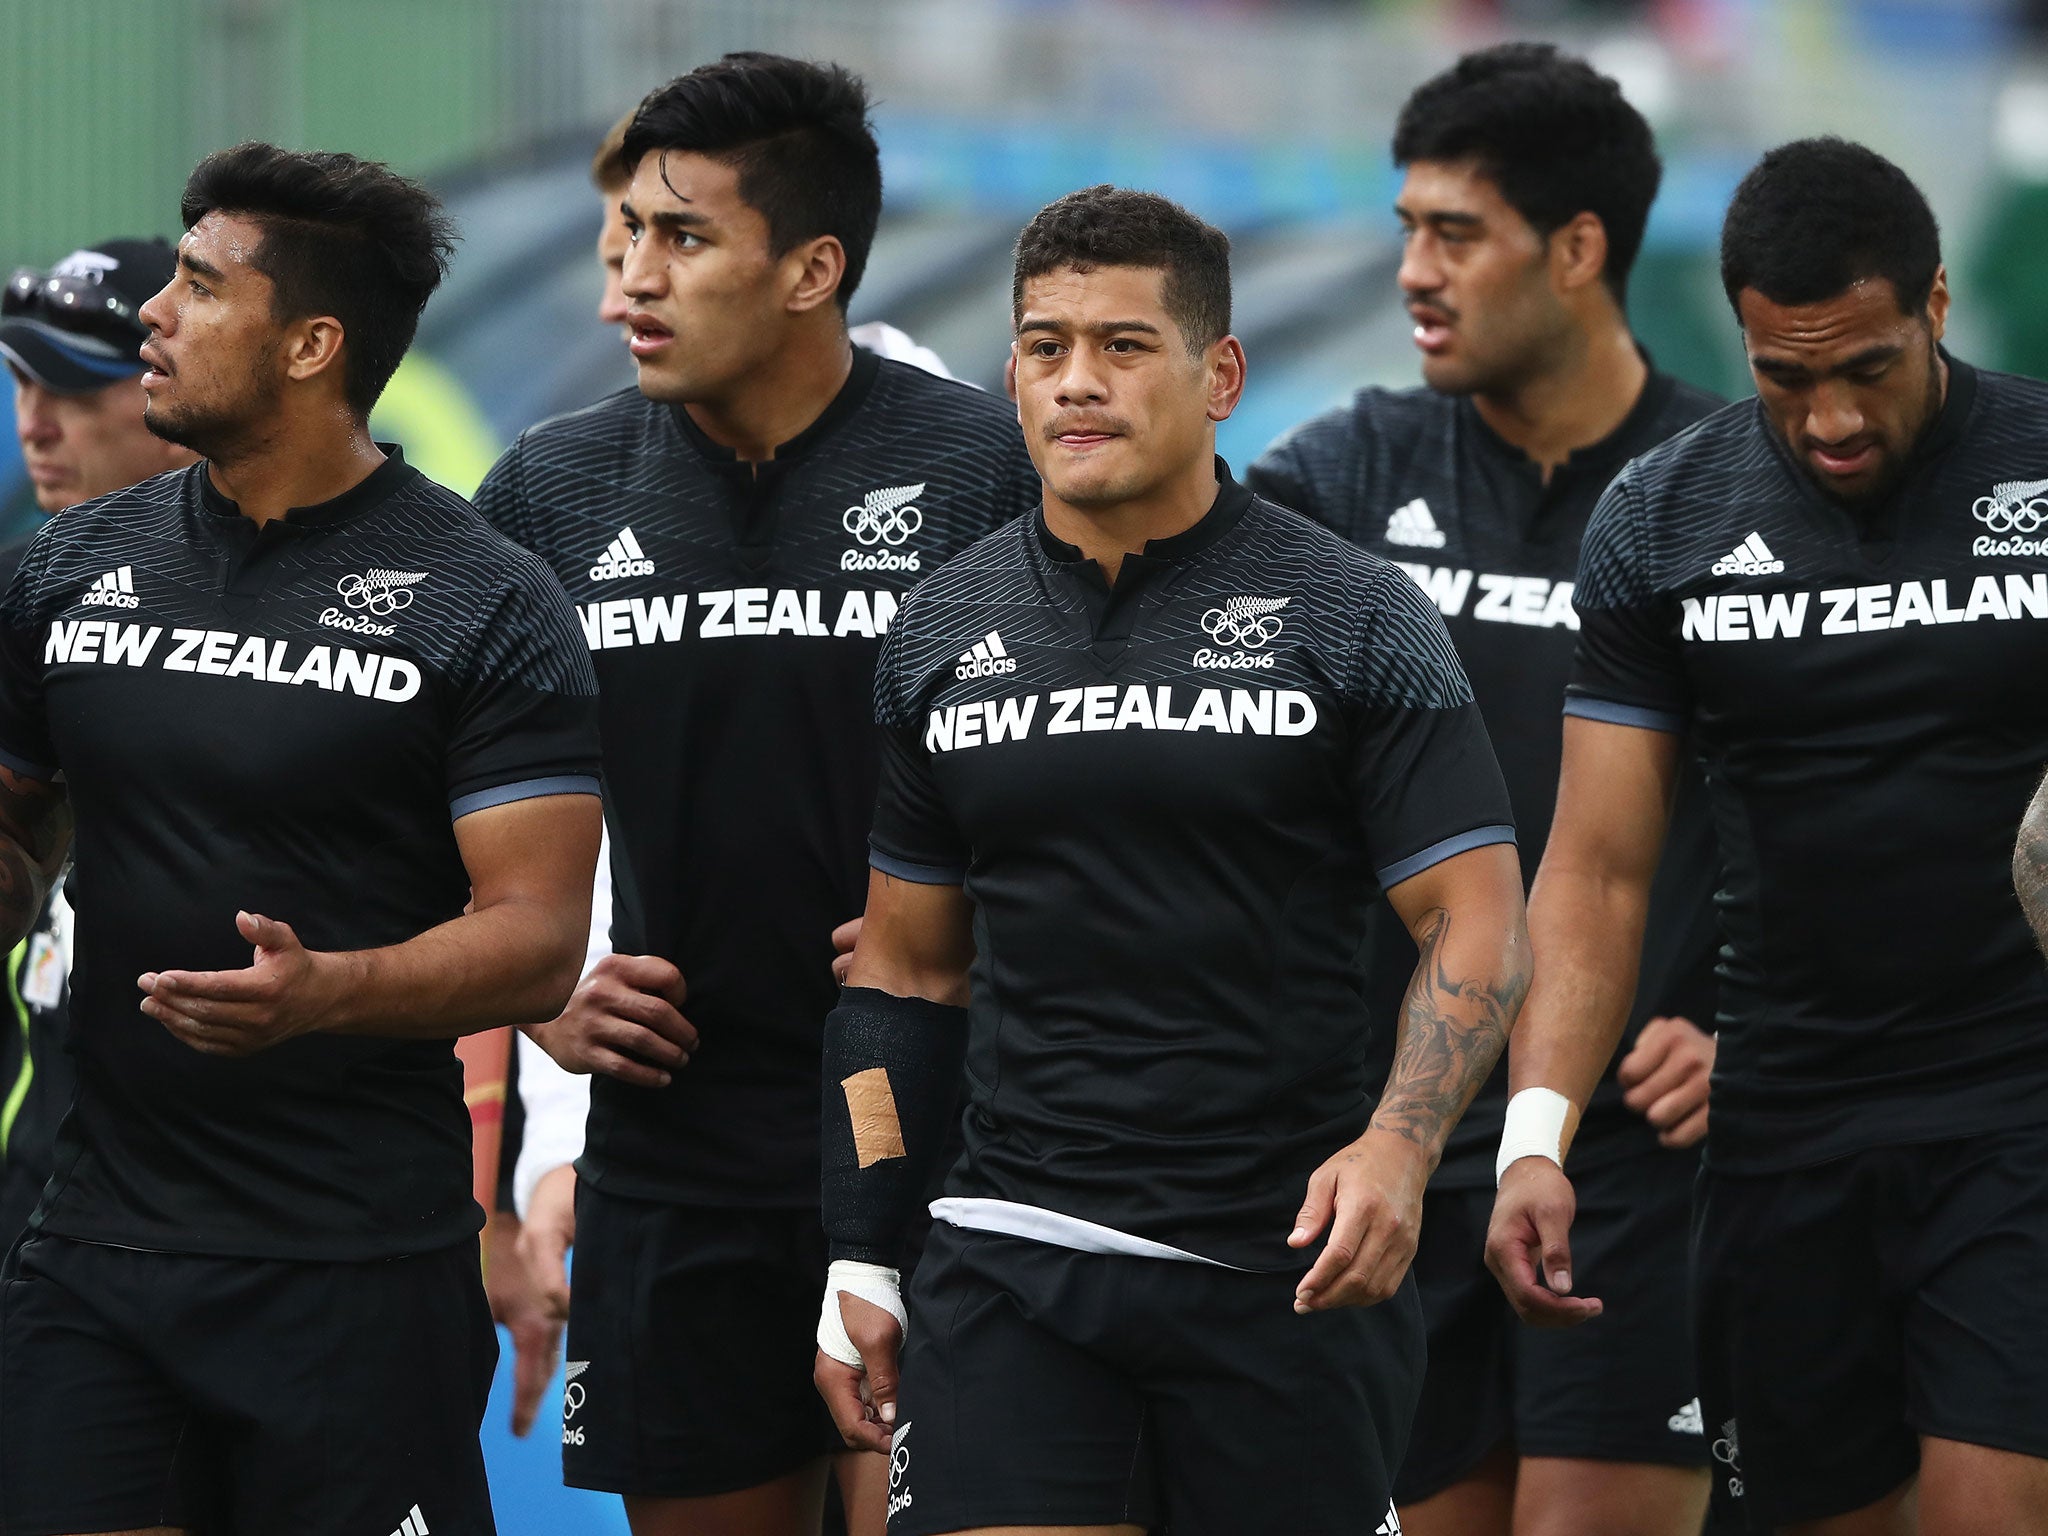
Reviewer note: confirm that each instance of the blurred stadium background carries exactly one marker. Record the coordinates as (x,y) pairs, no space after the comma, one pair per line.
(1269,117)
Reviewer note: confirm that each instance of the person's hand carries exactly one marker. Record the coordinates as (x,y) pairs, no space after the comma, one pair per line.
(517,1303)
(1666,1079)
(844,937)
(547,1235)
(862,1399)
(285,990)
(1369,1196)
(624,1021)
(1528,1245)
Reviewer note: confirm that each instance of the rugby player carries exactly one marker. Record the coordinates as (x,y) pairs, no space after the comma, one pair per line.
(738,532)
(1835,595)
(69,337)
(1528,183)
(331,746)
(1150,756)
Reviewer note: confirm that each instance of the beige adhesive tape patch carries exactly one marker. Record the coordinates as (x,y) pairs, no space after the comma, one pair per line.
(877,1131)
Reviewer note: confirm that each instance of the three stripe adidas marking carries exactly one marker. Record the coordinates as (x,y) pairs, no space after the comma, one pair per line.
(1752,557)
(985,658)
(1412,525)
(116,589)
(414,1524)
(622,557)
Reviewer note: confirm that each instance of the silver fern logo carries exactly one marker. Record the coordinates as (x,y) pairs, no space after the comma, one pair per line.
(381,592)
(1252,622)
(2013,510)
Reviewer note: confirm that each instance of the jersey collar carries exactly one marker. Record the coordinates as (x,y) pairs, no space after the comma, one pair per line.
(1231,503)
(860,379)
(370,491)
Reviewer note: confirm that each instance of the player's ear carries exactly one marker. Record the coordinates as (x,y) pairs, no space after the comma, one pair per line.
(1578,252)
(1225,365)
(815,269)
(1937,303)
(313,347)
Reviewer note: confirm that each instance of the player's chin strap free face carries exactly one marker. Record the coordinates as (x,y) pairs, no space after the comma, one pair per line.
(892,1070)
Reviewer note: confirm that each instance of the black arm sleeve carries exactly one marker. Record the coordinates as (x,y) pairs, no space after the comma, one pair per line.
(892,1073)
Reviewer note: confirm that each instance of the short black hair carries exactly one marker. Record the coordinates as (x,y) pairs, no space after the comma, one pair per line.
(798,136)
(1105,226)
(1816,216)
(1553,133)
(341,236)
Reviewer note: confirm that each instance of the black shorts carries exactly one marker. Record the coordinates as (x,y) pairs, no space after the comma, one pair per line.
(1047,1387)
(692,1333)
(1847,1309)
(248,1395)
(1620,1388)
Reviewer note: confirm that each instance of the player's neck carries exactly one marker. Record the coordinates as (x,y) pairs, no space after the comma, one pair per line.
(270,473)
(1574,404)
(1105,534)
(779,399)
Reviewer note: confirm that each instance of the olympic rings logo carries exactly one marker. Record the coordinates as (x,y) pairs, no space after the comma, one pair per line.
(1253,631)
(2002,516)
(382,597)
(882,524)
(572,1400)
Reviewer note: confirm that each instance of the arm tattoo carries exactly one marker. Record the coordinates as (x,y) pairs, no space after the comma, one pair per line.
(1452,1032)
(2030,866)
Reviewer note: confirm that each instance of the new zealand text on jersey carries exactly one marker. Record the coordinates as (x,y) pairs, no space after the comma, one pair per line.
(1535,602)
(221,653)
(1862,610)
(1107,707)
(622,621)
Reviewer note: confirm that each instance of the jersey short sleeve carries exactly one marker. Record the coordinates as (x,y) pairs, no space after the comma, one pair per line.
(915,836)
(525,707)
(25,744)
(501,499)
(1423,770)
(1298,469)
(1628,669)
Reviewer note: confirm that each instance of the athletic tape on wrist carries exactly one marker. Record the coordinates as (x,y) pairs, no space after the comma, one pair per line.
(1533,1127)
(871,1283)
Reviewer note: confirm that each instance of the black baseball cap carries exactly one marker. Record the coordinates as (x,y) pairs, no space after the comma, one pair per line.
(75,328)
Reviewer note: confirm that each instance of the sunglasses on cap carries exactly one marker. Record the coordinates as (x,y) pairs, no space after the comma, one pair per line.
(64,296)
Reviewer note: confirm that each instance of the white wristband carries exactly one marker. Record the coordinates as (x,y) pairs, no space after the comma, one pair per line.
(871,1283)
(1534,1128)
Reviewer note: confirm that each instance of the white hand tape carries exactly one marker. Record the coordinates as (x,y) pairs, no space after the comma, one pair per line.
(871,1283)
(1534,1127)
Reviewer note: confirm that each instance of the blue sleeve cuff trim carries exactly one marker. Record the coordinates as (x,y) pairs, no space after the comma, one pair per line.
(1479,837)
(525,789)
(916,874)
(22,765)
(1607,712)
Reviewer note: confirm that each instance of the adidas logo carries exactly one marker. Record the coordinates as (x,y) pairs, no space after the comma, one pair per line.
(1391,1526)
(1688,1420)
(1752,557)
(622,557)
(985,658)
(1413,525)
(116,589)
(414,1524)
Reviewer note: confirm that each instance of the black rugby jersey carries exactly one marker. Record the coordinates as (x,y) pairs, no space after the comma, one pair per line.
(1863,688)
(734,615)
(1418,477)
(1172,804)
(285,720)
